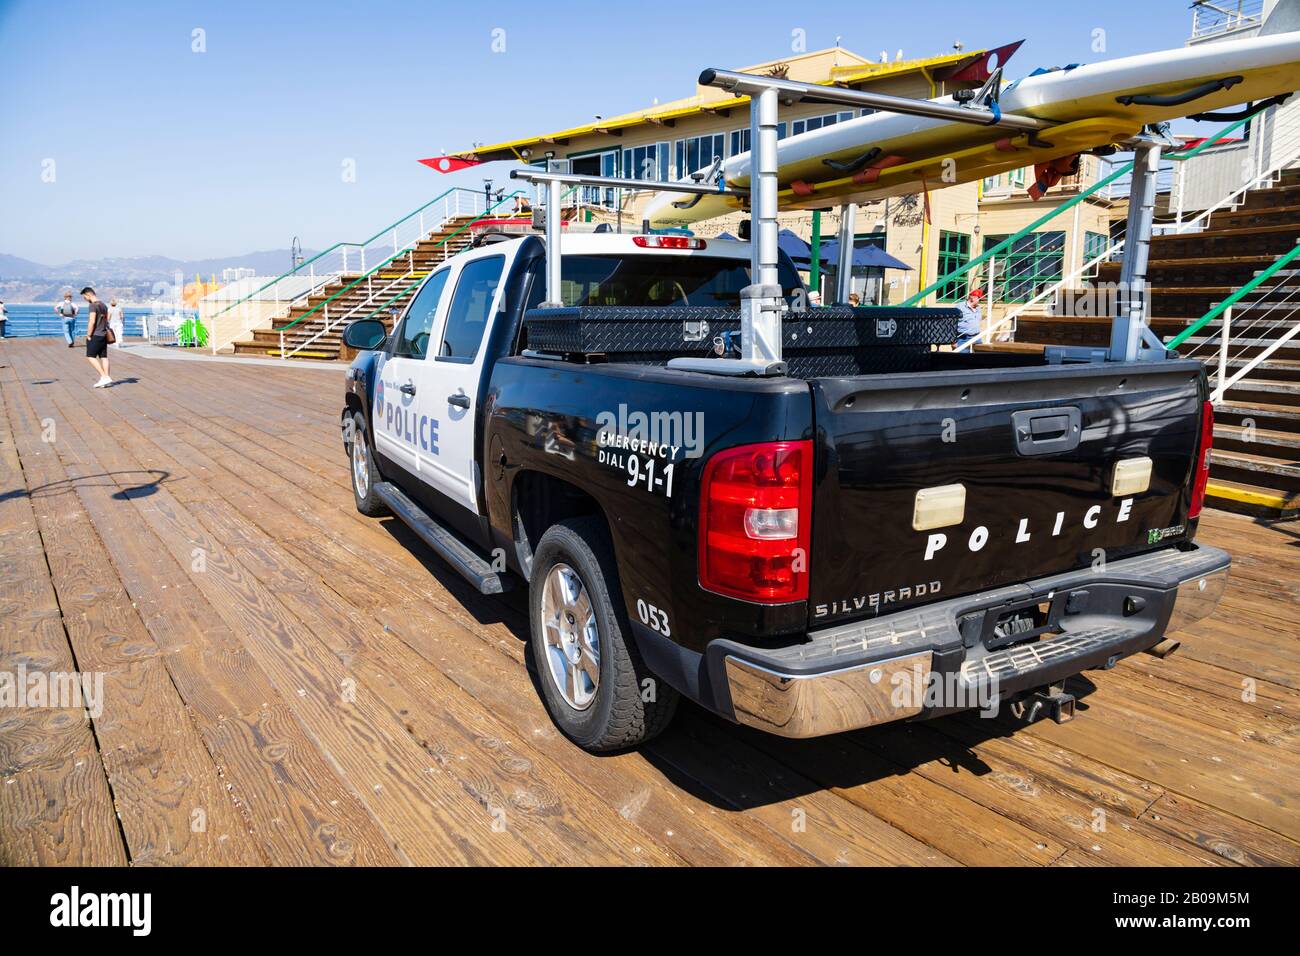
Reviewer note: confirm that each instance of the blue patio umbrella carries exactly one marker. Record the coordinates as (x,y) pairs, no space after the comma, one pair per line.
(865,253)
(796,248)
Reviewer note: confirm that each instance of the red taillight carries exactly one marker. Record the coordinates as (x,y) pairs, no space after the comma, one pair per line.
(1202,475)
(668,242)
(756,521)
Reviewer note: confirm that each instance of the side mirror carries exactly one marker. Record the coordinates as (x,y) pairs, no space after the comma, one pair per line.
(364,335)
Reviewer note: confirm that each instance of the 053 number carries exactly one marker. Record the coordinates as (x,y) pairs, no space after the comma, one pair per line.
(653,618)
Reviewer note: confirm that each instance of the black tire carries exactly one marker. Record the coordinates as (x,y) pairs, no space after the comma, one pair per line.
(367,502)
(618,716)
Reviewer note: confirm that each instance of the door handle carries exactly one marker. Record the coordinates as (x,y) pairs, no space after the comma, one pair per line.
(460,400)
(407,389)
(1047,431)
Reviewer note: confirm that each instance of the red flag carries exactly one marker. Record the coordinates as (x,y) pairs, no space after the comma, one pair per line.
(449,164)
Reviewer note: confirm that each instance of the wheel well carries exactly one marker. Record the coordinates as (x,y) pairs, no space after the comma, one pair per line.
(539,501)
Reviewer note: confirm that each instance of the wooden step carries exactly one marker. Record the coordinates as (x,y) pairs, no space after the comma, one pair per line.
(1233,465)
(1277,369)
(1284,195)
(1239,217)
(1273,416)
(1251,498)
(1206,346)
(1266,441)
(1279,392)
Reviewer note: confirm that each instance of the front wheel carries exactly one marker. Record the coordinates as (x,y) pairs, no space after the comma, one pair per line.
(364,473)
(594,683)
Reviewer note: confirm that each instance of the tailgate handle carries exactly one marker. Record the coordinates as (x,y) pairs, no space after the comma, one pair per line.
(1046,431)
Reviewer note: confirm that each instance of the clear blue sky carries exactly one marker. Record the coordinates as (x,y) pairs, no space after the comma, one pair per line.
(161,150)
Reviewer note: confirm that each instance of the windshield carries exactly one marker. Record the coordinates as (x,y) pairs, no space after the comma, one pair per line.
(639,280)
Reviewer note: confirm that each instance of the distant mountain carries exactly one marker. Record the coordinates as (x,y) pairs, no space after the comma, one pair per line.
(12,267)
(265,262)
(133,278)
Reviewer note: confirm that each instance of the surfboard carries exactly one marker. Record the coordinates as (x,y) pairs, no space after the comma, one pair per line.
(1087,104)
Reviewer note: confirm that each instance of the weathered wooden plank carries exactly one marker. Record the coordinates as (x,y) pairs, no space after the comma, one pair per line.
(227,691)
(943,818)
(56,806)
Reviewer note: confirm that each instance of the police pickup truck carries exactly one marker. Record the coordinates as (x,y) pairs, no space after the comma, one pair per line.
(882,530)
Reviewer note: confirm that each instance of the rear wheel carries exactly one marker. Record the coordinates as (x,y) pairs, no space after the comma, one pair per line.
(594,683)
(364,473)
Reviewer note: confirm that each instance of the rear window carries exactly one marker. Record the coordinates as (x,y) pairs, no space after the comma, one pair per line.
(641,280)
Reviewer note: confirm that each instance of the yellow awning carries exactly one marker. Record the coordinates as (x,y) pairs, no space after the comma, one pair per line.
(849,75)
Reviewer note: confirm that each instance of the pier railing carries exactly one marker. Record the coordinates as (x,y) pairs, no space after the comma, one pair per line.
(275,298)
(1213,18)
(378,289)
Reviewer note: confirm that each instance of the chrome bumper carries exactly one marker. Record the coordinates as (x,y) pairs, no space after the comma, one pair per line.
(1197,598)
(793,705)
(879,671)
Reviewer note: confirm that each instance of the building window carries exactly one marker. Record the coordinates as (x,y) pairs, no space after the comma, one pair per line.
(954,252)
(817,122)
(698,152)
(738,139)
(1005,182)
(1094,245)
(646,162)
(1032,263)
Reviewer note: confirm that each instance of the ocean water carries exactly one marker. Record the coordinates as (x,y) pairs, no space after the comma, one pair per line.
(27,320)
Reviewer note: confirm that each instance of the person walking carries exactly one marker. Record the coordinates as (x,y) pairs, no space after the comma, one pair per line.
(4,316)
(97,329)
(67,309)
(116,323)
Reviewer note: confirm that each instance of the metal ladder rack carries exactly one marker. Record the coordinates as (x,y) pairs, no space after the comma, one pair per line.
(761,302)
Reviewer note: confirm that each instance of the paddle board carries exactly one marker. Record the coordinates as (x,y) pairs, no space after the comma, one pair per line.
(1085,102)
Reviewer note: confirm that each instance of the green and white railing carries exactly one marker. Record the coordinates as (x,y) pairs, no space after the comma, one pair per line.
(1284,152)
(1265,323)
(275,298)
(385,286)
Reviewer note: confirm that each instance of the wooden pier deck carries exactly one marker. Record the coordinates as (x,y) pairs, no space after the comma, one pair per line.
(286,682)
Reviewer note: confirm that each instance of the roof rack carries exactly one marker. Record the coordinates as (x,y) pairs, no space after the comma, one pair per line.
(762,303)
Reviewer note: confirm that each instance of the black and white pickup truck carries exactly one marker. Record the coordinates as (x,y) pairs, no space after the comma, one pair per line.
(887,531)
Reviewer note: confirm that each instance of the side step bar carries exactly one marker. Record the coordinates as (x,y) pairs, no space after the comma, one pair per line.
(470,565)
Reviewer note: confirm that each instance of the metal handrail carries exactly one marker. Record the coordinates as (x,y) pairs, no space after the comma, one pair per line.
(1009,319)
(352,285)
(1006,243)
(1233,299)
(405,232)
(1092,190)
(1212,19)
(296,270)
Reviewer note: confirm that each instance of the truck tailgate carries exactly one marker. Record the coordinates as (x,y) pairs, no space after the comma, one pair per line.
(1034,451)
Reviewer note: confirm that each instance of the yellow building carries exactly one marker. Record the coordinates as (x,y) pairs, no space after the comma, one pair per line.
(932,233)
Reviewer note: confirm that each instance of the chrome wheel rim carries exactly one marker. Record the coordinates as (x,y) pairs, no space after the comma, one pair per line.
(360,465)
(571,637)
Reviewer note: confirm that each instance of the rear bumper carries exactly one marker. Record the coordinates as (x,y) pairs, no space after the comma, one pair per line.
(935,660)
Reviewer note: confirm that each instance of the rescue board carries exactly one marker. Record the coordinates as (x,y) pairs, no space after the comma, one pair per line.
(1090,106)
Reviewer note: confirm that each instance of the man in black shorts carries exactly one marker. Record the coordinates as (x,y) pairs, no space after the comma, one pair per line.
(97,336)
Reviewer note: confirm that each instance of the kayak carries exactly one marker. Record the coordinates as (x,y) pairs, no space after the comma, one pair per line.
(1089,106)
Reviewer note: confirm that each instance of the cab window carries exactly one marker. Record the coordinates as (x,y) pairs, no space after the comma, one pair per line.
(471,305)
(413,337)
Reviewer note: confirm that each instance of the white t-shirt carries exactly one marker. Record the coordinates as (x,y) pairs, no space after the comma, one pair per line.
(63,307)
